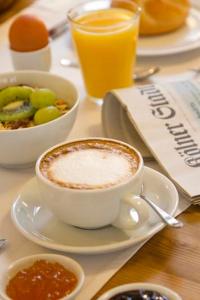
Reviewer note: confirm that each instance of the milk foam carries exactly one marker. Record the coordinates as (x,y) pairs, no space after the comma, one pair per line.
(91,167)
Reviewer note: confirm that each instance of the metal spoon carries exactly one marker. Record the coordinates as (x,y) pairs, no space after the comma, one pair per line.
(145,73)
(195,70)
(138,76)
(65,62)
(167,218)
(2,243)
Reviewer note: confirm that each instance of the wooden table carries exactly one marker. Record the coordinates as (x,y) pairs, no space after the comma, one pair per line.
(171,258)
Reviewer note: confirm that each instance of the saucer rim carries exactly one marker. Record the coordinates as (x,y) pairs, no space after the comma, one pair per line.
(97,249)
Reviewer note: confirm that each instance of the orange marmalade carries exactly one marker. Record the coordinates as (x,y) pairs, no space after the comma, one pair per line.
(43,280)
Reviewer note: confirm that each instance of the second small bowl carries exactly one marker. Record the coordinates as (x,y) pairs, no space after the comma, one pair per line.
(168,293)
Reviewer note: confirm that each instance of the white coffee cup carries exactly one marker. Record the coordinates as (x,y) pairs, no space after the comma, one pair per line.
(95,208)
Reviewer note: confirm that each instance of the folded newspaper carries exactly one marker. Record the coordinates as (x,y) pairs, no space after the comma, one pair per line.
(163,121)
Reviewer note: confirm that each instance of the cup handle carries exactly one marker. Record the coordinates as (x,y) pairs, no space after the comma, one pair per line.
(133,213)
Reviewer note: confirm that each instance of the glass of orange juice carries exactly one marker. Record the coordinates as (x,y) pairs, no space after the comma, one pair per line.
(105,34)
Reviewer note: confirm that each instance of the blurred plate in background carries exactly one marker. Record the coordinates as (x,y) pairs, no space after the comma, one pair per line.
(184,39)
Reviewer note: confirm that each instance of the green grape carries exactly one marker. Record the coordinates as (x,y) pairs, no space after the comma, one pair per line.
(42,98)
(46,114)
(14,93)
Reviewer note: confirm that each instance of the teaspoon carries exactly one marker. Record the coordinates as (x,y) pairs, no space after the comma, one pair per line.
(138,76)
(2,243)
(167,218)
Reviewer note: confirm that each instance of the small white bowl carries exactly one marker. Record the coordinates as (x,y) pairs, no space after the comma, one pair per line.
(22,147)
(33,60)
(25,262)
(171,295)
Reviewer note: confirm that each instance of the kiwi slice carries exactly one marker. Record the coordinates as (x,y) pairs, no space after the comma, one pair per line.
(14,93)
(16,111)
(13,106)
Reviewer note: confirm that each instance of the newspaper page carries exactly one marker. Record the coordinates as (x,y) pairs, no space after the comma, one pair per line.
(167,118)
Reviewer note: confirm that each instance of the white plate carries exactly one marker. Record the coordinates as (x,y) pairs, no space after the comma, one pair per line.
(184,39)
(38,224)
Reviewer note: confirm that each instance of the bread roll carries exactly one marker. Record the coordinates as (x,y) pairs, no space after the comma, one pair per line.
(162,16)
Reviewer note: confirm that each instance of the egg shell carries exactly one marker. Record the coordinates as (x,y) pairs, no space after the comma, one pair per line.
(28,33)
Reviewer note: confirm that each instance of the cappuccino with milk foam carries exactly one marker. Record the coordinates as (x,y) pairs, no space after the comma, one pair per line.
(90,164)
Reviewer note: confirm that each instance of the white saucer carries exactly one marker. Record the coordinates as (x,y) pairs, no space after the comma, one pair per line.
(38,224)
(184,39)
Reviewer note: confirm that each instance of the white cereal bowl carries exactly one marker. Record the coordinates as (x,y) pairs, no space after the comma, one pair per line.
(22,147)
(25,262)
(171,295)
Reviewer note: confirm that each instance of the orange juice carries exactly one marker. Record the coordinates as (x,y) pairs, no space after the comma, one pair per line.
(106,41)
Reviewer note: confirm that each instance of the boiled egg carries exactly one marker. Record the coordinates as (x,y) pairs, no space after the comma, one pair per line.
(28,33)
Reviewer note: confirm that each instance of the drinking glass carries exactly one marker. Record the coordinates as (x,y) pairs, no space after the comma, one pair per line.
(105,35)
